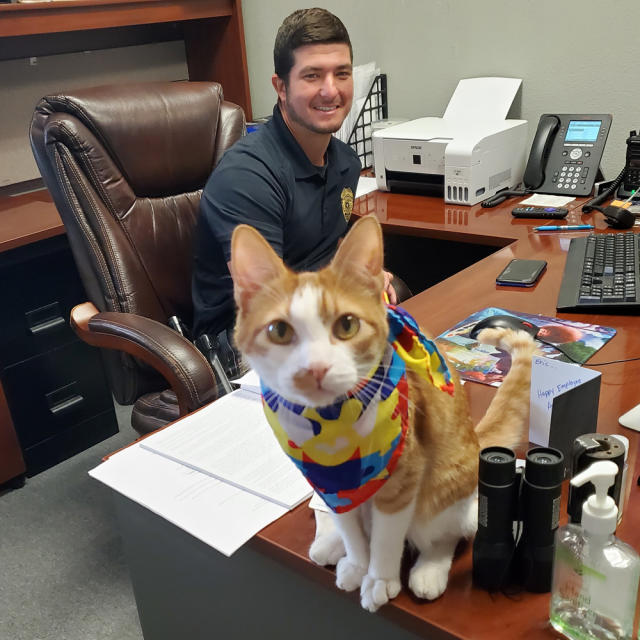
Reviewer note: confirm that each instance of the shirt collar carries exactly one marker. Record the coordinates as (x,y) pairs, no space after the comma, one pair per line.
(303,167)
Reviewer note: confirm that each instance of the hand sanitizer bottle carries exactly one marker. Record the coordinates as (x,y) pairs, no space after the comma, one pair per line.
(595,575)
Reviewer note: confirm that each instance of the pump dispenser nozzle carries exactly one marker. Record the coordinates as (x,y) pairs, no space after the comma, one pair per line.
(599,511)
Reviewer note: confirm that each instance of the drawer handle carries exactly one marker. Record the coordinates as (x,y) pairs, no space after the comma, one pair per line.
(66,405)
(43,319)
(47,325)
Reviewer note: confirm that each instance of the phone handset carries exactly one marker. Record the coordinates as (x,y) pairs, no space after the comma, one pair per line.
(534,174)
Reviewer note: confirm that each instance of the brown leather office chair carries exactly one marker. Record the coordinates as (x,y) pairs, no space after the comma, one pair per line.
(125,166)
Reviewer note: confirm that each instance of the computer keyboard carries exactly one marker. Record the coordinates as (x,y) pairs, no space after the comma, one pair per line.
(601,274)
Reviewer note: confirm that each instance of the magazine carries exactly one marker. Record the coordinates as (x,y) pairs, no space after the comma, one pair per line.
(564,340)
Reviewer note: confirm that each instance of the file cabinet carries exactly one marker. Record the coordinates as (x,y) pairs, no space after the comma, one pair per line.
(54,384)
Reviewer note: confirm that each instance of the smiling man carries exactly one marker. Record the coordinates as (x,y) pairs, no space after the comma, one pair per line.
(291,179)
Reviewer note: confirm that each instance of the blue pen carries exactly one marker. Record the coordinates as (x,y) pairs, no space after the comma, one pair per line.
(568,227)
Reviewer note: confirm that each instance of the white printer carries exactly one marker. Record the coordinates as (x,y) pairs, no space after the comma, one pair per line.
(467,155)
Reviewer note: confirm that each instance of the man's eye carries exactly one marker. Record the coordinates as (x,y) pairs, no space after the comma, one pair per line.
(311,76)
(280,332)
(346,326)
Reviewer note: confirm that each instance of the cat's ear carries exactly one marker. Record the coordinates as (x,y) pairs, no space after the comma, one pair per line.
(253,264)
(361,248)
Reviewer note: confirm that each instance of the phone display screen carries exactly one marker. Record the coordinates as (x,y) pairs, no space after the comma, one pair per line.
(583,130)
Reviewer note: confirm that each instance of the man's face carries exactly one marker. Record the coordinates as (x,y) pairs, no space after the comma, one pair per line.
(318,96)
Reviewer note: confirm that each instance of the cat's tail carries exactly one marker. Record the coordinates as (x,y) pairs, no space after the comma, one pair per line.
(506,422)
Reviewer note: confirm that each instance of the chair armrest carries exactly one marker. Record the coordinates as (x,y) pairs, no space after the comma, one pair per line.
(178,360)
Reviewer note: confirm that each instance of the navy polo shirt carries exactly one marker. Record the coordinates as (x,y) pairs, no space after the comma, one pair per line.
(266,180)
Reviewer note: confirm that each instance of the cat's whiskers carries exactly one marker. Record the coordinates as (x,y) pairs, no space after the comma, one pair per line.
(369,392)
(366,394)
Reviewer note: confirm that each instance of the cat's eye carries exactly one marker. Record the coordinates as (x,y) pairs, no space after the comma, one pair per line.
(346,326)
(280,332)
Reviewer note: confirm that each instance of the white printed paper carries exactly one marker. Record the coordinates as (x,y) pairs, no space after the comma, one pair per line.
(366,185)
(215,512)
(250,381)
(542,200)
(231,440)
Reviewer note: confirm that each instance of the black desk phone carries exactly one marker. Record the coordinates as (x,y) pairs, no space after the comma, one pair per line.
(566,152)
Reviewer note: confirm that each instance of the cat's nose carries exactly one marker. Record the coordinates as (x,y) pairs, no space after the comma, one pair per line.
(311,376)
(318,371)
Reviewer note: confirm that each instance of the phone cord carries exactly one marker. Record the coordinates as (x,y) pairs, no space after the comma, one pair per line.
(589,206)
(501,196)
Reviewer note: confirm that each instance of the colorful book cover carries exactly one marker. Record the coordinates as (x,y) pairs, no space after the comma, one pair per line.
(565,340)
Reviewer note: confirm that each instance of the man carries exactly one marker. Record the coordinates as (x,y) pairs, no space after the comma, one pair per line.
(291,179)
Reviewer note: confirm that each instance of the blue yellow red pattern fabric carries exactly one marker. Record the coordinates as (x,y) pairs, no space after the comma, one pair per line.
(349,449)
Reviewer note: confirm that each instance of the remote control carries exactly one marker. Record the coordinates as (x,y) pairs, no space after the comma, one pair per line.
(539,212)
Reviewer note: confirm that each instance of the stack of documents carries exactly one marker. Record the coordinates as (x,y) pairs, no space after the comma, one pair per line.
(363,77)
(219,473)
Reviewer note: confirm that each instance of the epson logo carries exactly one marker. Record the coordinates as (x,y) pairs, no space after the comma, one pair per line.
(415,146)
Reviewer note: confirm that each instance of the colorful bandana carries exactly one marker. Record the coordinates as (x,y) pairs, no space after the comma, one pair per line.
(349,449)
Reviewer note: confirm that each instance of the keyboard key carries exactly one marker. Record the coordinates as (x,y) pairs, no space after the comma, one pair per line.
(589,299)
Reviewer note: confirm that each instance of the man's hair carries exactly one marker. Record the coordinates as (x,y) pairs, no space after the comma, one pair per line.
(306,26)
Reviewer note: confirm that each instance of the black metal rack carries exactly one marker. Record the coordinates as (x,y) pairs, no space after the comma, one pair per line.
(375,107)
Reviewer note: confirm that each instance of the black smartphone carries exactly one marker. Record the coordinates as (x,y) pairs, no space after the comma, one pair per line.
(521,273)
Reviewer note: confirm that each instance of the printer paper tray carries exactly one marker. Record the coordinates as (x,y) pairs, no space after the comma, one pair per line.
(421,183)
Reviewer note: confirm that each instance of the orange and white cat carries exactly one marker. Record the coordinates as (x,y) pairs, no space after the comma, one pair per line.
(315,338)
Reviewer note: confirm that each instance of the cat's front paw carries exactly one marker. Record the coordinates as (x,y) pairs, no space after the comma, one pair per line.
(375,592)
(429,580)
(348,575)
(327,549)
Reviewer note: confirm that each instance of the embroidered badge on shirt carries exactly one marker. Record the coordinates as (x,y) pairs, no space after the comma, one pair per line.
(346,197)
(349,449)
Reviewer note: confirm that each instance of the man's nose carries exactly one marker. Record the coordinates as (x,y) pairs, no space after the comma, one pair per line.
(329,88)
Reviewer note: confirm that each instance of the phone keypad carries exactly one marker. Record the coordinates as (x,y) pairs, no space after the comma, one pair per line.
(570,176)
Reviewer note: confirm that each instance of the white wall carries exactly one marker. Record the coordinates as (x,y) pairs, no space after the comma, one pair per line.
(573,55)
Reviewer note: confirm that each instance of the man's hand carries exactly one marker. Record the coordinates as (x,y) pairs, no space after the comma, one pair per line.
(388,288)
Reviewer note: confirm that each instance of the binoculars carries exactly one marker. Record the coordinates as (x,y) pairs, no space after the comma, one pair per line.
(518,514)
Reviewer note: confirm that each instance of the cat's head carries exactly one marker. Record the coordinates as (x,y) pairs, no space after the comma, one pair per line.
(311,337)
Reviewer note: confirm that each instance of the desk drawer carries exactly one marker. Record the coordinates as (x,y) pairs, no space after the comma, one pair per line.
(70,441)
(50,393)
(39,285)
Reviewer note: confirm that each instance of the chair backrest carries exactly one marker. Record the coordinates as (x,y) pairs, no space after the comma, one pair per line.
(125,165)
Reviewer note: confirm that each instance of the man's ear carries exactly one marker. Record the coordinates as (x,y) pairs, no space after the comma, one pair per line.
(253,264)
(279,86)
(361,248)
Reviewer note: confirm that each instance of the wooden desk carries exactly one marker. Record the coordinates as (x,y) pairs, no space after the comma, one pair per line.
(277,591)
(464,611)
